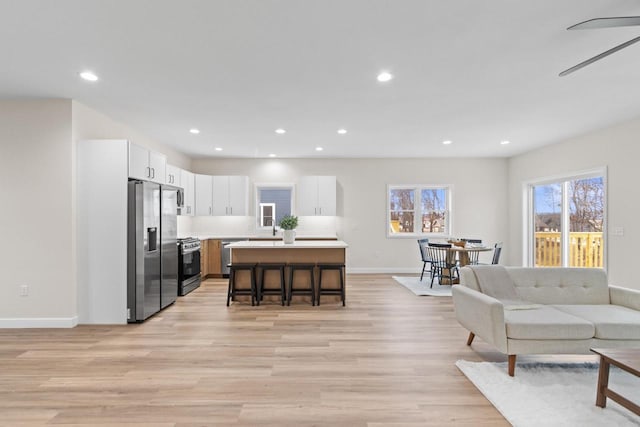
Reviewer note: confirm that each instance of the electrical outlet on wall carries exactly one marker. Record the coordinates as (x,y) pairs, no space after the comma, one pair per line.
(24,290)
(617,231)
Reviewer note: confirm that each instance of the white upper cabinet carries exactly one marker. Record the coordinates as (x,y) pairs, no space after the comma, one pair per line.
(238,195)
(138,162)
(146,165)
(327,195)
(220,195)
(187,179)
(316,195)
(158,165)
(204,195)
(230,195)
(174,176)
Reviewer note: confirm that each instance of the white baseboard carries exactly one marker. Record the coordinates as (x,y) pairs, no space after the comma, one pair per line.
(383,270)
(39,322)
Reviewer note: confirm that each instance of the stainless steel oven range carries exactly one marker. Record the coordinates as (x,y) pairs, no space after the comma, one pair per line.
(188,265)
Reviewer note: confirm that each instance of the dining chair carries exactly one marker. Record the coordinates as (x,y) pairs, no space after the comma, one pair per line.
(424,254)
(496,253)
(443,263)
(473,257)
(497,249)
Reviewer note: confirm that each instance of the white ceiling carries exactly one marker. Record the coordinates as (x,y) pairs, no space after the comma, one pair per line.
(474,72)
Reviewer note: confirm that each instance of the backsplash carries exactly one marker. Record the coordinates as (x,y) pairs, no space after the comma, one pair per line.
(247,226)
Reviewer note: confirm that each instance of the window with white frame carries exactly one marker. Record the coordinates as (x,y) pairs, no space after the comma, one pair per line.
(419,210)
(273,202)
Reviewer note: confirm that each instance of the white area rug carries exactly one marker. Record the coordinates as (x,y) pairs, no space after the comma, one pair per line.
(553,394)
(422,288)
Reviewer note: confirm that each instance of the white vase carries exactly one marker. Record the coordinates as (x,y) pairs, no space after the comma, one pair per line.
(289,236)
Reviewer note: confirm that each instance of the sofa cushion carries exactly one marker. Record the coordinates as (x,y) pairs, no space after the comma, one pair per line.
(612,322)
(546,322)
(561,285)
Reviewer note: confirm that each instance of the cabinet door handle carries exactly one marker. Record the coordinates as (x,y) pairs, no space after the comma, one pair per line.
(320,208)
(209,210)
(148,172)
(231,210)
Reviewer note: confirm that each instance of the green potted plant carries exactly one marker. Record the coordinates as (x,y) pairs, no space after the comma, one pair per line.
(289,223)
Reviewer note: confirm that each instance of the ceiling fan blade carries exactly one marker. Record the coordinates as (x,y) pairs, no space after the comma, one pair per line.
(623,21)
(599,57)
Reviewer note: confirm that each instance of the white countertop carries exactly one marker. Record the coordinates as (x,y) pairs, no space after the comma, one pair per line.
(298,244)
(278,235)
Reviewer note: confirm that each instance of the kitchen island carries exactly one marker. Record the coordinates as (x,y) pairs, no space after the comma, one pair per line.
(300,251)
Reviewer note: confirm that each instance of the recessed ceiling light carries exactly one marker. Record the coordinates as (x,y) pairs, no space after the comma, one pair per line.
(342,131)
(218,149)
(89,76)
(319,148)
(447,142)
(505,142)
(194,131)
(272,155)
(280,131)
(384,76)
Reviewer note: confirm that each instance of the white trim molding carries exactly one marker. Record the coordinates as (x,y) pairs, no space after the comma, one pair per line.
(384,270)
(39,322)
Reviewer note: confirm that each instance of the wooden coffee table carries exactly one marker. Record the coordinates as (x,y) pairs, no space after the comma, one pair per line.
(626,359)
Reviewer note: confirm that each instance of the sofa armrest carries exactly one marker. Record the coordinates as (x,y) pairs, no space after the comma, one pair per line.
(481,314)
(625,297)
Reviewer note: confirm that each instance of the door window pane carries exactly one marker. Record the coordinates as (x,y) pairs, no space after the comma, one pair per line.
(586,220)
(547,208)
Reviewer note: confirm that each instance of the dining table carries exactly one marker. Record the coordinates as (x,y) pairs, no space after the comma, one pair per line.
(461,255)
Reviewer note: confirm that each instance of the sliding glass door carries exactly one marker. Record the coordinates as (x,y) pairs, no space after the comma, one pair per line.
(568,222)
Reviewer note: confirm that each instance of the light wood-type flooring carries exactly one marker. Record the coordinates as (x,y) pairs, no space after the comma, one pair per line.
(386,359)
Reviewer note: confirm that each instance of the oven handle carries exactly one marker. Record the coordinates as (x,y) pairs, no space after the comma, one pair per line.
(191,250)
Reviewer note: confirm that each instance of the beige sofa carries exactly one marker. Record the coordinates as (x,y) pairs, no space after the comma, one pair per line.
(575,309)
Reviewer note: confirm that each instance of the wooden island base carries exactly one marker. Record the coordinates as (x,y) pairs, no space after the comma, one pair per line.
(308,252)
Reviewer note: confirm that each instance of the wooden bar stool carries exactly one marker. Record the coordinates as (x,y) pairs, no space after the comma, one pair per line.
(233,291)
(293,267)
(341,290)
(279,267)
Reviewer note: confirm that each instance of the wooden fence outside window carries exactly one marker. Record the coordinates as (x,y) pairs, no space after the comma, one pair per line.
(585,249)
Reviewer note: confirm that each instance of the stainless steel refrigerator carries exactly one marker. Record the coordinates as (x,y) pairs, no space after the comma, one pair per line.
(152,258)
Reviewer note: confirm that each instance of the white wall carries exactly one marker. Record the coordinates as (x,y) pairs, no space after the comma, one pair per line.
(36,219)
(38,215)
(479,198)
(616,148)
(91,124)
